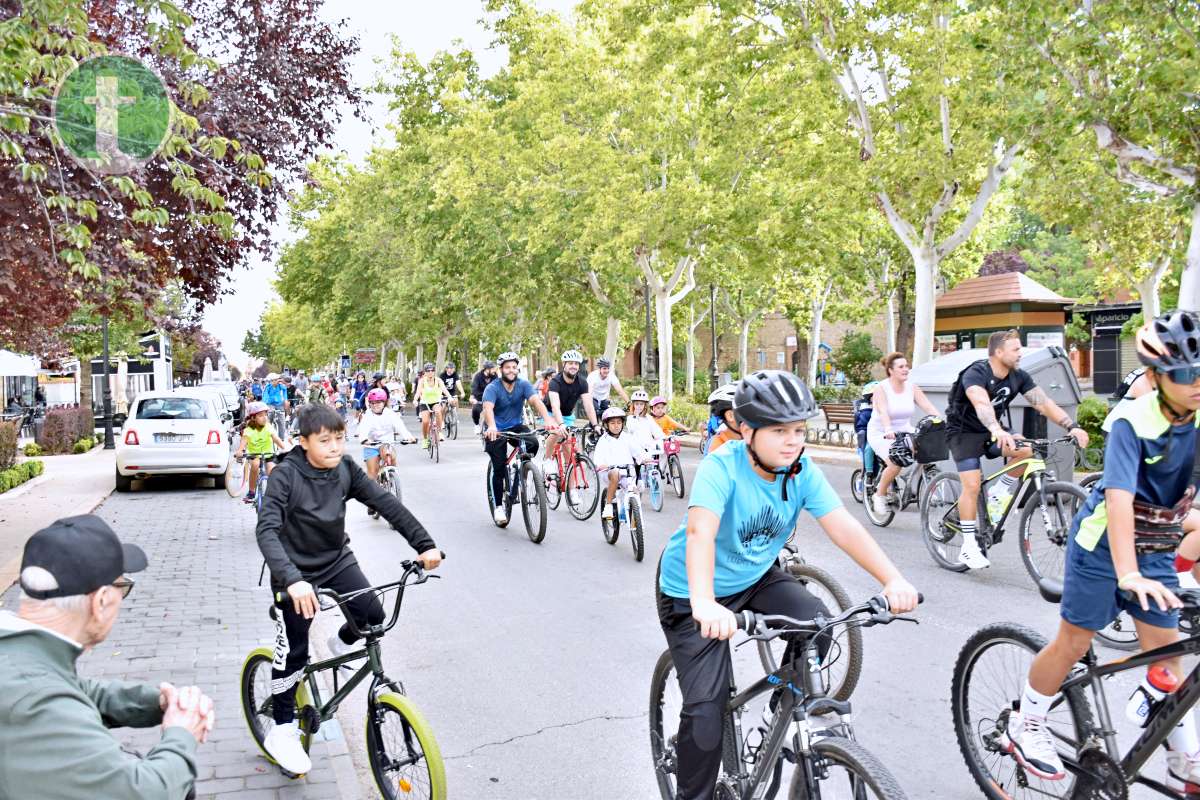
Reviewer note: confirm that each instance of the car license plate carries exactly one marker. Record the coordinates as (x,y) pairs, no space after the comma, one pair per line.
(172,438)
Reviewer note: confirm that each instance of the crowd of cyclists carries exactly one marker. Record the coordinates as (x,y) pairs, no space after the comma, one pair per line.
(754,480)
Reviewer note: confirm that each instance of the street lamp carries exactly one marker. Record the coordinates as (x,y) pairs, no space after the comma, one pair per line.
(712,288)
(109,444)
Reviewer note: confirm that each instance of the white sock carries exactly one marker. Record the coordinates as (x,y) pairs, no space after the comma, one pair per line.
(1009,482)
(1034,703)
(968,534)
(1184,739)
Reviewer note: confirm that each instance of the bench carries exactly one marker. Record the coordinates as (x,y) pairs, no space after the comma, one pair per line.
(837,415)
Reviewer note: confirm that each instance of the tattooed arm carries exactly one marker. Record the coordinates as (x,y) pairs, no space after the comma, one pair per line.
(1038,398)
(983,408)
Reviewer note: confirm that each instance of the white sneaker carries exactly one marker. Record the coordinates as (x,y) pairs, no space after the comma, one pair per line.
(1183,773)
(339,648)
(476,430)
(283,745)
(974,558)
(607,513)
(881,504)
(1032,745)
(499,515)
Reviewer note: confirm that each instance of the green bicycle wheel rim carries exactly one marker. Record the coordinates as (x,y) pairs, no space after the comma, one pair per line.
(433,754)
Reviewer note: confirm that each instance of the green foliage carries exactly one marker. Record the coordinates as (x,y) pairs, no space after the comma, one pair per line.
(1090,415)
(16,475)
(856,355)
(84,445)
(32,450)
(9,431)
(64,427)
(837,394)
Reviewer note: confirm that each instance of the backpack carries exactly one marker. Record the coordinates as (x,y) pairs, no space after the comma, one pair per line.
(1126,382)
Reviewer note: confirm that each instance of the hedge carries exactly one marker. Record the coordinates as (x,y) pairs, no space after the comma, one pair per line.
(64,427)
(9,431)
(32,450)
(15,476)
(84,445)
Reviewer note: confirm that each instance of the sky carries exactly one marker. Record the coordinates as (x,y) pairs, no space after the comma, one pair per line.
(422,27)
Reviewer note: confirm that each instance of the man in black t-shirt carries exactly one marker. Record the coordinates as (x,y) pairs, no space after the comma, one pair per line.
(567,388)
(453,382)
(979,397)
(478,384)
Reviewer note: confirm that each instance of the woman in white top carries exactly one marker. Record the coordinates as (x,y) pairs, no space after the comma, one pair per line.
(893,404)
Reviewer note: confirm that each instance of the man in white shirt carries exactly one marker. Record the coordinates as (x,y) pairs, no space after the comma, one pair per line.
(601,383)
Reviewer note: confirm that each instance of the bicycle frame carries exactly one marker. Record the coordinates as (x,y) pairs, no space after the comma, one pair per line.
(1162,721)
(1033,475)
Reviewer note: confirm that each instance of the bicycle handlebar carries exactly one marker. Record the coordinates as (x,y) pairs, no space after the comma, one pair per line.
(411,568)
(769,626)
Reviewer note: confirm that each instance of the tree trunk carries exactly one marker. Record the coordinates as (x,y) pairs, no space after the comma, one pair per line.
(665,298)
(925,262)
(814,332)
(400,366)
(1189,281)
(665,335)
(612,338)
(85,382)
(890,308)
(383,357)
(1148,287)
(420,357)
(744,346)
(443,345)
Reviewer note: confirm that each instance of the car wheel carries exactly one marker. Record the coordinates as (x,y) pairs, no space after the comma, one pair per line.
(124,482)
(219,481)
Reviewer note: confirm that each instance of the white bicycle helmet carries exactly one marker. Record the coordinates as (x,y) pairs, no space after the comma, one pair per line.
(721,399)
(612,412)
(572,355)
(639,394)
(508,356)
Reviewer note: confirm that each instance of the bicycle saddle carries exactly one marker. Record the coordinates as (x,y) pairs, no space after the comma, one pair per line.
(1050,590)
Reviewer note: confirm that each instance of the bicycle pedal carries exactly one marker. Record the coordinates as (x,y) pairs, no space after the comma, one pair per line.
(330,731)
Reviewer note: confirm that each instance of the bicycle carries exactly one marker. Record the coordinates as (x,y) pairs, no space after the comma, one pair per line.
(672,474)
(907,488)
(401,749)
(652,481)
(522,479)
(1088,747)
(260,488)
(435,432)
(278,419)
(829,762)
(582,482)
(627,505)
(388,477)
(449,419)
(1043,552)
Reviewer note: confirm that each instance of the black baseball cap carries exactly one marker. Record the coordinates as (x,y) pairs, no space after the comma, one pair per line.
(82,553)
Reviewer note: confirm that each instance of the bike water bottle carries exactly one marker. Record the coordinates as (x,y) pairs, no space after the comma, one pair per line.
(1158,683)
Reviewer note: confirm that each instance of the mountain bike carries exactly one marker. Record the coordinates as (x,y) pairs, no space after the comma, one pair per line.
(829,762)
(907,488)
(582,482)
(1043,549)
(523,482)
(989,678)
(671,467)
(627,506)
(449,419)
(403,754)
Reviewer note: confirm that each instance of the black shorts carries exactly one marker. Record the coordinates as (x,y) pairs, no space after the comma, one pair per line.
(422,407)
(968,448)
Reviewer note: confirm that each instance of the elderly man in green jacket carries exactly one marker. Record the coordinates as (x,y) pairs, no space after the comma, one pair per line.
(54,739)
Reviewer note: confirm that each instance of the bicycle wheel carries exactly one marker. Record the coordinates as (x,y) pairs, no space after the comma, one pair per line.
(553,494)
(583,488)
(636,533)
(989,676)
(655,488)
(1120,634)
(390,479)
(492,500)
(611,527)
(533,501)
(1044,530)
(847,770)
(675,467)
(1090,480)
(939,521)
(256,699)
(260,489)
(236,475)
(878,519)
(405,758)
(843,662)
(435,433)
(856,484)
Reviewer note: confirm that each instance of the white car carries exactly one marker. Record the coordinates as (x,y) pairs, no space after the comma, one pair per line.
(179,432)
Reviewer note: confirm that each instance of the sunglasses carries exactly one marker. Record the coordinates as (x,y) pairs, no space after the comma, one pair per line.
(124,586)
(1184,376)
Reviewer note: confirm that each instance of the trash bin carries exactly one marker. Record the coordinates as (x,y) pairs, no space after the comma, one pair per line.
(1050,368)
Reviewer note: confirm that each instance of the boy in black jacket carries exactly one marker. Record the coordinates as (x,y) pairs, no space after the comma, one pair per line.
(302,534)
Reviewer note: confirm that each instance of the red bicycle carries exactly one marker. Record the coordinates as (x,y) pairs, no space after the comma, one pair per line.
(582,482)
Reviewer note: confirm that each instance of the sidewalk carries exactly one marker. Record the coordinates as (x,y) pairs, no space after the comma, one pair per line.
(71,484)
(193,616)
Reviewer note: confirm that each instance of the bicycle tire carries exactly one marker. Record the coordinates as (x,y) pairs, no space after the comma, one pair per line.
(491,500)
(935,539)
(1120,634)
(675,468)
(862,767)
(531,476)
(996,782)
(611,527)
(583,470)
(849,638)
(1049,562)
(1090,480)
(416,731)
(256,699)
(391,481)
(856,485)
(260,488)
(637,533)
(236,476)
(877,519)
(654,488)
(553,493)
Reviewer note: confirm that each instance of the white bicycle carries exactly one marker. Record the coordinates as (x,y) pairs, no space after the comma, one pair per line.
(627,507)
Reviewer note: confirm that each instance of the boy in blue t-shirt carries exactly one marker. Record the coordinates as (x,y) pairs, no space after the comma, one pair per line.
(744,504)
(503,403)
(1121,552)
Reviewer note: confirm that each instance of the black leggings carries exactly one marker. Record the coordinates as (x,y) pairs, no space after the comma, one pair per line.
(705,672)
(476,410)
(498,452)
(291,636)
